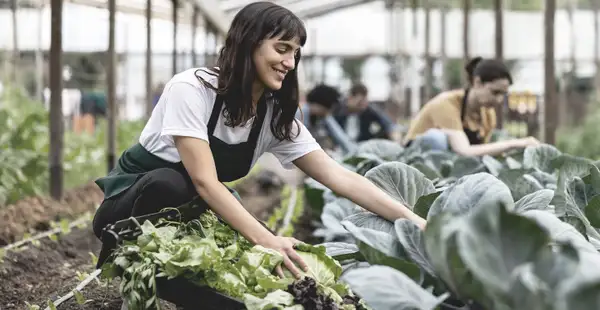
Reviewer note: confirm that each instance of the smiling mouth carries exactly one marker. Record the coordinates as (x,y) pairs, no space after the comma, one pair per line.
(280,72)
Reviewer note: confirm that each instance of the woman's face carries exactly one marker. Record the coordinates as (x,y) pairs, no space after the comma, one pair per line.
(490,94)
(273,59)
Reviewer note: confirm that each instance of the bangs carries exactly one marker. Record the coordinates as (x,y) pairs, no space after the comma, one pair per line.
(288,26)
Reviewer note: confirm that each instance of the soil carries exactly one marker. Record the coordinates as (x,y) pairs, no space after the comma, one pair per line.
(37,274)
(34,214)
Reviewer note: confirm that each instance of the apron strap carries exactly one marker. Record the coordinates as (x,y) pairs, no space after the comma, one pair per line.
(256,126)
(214,115)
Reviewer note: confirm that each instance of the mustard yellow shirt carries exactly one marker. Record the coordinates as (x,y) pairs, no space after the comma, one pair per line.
(445,111)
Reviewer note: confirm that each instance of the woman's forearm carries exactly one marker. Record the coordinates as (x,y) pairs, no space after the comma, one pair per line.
(492,149)
(220,200)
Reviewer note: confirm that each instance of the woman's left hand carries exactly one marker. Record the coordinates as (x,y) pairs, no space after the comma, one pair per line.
(419,221)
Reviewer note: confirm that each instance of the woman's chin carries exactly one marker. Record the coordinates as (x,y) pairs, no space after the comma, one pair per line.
(273,84)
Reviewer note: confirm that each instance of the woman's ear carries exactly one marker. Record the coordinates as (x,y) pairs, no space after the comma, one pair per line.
(477,82)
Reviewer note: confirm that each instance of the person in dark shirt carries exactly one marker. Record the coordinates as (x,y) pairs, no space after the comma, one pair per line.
(361,120)
(316,114)
(320,101)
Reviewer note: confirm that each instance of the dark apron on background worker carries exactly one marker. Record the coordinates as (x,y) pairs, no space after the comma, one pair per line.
(143,183)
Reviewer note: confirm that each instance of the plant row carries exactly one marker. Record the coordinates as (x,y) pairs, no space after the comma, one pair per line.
(518,231)
(25,145)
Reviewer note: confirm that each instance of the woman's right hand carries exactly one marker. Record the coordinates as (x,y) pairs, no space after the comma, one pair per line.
(285,246)
(528,141)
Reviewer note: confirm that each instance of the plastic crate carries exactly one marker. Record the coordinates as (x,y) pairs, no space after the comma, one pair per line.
(178,291)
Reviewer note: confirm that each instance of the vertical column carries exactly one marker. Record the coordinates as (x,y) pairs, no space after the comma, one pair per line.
(443,53)
(174,17)
(111,87)
(193,53)
(499,52)
(466,31)
(149,90)
(56,87)
(207,27)
(551,106)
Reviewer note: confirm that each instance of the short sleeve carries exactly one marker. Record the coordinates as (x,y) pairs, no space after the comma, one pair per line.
(186,112)
(287,151)
(445,116)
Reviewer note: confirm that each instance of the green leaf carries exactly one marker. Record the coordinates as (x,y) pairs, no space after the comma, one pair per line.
(494,242)
(592,211)
(379,248)
(463,166)
(424,204)
(79,297)
(553,266)
(413,242)
(341,250)
(381,148)
(398,293)
(470,192)
(441,246)
(493,165)
(520,182)
(370,220)
(539,200)
(403,182)
(333,214)
(540,157)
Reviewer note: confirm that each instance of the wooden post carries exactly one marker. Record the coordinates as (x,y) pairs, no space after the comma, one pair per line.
(111,87)
(174,54)
(551,110)
(499,52)
(56,117)
(194,60)
(466,28)
(149,90)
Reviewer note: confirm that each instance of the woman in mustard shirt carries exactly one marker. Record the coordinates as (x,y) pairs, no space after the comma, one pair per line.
(463,120)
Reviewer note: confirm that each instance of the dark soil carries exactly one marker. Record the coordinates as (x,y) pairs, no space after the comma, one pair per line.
(304,228)
(34,214)
(45,272)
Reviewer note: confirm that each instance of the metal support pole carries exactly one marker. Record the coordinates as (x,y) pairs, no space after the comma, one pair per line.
(111,87)
(551,109)
(499,51)
(149,91)
(193,53)
(207,62)
(174,54)
(56,87)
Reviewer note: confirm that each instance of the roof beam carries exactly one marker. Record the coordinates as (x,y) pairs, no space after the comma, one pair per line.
(212,12)
(327,8)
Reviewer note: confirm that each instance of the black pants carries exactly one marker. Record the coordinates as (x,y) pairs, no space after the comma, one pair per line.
(157,189)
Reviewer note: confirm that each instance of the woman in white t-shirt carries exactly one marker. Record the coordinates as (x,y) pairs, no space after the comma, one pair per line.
(211,125)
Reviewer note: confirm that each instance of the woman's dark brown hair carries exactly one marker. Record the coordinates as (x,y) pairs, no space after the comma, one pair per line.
(254,23)
(488,70)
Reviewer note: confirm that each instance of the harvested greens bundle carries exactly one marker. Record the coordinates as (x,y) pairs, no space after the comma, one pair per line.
(207,252)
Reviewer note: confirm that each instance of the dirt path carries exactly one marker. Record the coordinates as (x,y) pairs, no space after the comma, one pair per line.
(49,270)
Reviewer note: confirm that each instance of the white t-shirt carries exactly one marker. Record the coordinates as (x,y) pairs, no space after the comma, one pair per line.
(184,109)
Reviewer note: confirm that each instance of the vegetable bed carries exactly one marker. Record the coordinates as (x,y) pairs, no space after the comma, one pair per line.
(518,231)
(49,268)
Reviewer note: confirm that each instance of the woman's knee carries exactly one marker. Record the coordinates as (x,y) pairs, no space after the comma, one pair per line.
(165,181)
(435,139)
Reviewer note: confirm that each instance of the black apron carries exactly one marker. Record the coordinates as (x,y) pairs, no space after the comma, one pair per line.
(473,136)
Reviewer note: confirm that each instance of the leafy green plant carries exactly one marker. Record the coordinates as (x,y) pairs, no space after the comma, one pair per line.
(519,231)
(24,141)
(207,252)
